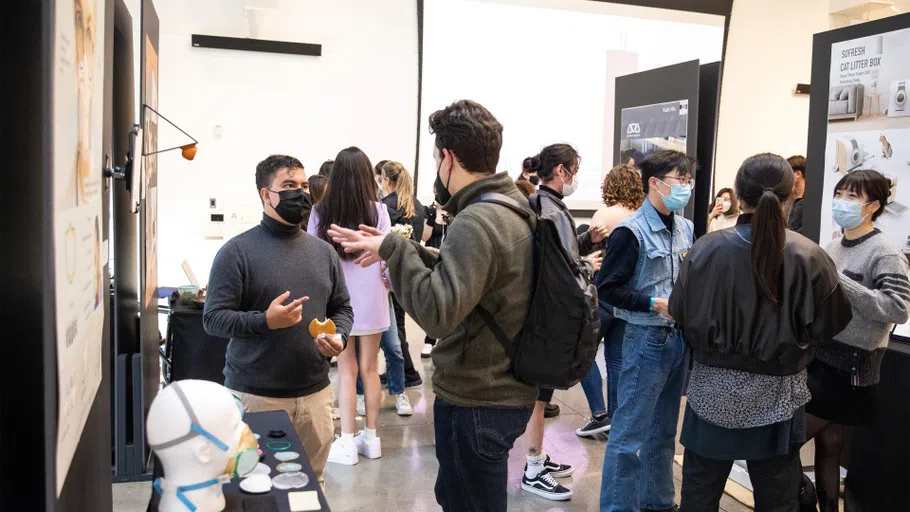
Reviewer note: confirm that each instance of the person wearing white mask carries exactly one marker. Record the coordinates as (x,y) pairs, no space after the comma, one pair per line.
(724,211)
(557,167)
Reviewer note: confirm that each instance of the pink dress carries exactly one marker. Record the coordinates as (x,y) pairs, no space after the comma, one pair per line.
(369,297)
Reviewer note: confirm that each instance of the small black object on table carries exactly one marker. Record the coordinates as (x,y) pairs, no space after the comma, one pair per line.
(277,499)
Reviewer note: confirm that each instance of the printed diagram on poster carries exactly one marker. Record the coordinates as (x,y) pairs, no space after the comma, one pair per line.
(150,174)
(79,253)
(653,127)
(869,128)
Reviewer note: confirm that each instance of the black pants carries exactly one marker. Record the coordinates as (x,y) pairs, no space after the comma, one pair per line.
(775,482)
(409,371)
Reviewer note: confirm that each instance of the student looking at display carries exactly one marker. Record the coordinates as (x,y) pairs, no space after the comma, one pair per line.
(844,376)
(622,194)
(272,362)
(798,164)
(639,267)
(477,396)
(350,200)
(724,210)
(754,301)
(557,167)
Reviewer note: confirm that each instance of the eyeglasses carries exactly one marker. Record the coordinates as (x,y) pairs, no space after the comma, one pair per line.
(684,181)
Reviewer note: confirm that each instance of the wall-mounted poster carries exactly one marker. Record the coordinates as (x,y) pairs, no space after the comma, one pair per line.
(79,256)
(653,127)
(150,174)
(869,128)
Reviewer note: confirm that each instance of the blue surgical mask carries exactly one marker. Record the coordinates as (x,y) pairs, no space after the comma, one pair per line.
(848,214)
(678,198)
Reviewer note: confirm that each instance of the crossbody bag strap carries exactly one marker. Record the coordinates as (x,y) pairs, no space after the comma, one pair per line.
(497,331)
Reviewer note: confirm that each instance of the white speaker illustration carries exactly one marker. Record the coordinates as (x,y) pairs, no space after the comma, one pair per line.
(898,103)
(849,154)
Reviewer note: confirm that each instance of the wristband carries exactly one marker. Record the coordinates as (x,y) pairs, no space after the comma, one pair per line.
(652,303)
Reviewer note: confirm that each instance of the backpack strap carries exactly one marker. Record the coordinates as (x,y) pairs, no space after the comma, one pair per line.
(497,331)
(502,200)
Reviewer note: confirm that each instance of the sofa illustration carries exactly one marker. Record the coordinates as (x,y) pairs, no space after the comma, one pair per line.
(845,102)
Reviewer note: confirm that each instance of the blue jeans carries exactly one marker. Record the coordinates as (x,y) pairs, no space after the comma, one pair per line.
(638,464)
(472,447)
(394,359)
(592,384)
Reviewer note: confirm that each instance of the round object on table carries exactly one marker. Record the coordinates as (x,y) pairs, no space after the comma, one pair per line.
(286,456)
(290,481)
(277,434)
(261,469)
(256,484)
(278,446)
(288,467)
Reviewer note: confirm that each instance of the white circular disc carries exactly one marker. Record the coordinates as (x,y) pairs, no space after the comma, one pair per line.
(286,456)
(256,484)
(261,469)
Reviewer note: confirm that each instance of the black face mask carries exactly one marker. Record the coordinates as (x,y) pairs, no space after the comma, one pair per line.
(442,192)
(534,179)
(294,205)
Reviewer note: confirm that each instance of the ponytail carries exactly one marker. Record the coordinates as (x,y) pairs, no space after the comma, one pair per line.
(765,182)
(402,185)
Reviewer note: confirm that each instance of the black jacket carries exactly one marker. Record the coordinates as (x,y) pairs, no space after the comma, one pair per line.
(730,324)
(396,215)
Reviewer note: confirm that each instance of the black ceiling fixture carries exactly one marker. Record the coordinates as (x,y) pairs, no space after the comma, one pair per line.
(256,45)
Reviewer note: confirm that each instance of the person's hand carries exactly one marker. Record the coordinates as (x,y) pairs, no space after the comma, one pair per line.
(662,306)
(595,258)
(599,233)
(718,209)
(366,241)
(279,316)
(329,346)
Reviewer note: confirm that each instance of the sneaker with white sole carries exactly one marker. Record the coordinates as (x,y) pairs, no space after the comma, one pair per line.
(361,405)
(557,470)
(369,449)
(343,452)
(595,426)
(403,405)
(544,486)
(427,351)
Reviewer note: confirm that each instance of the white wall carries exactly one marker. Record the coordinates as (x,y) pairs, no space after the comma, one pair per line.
(362,91)
(769,51)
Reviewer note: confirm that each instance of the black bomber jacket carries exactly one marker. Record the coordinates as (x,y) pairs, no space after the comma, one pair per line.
(729,323)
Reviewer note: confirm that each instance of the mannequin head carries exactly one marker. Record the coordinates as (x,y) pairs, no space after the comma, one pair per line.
(196,429)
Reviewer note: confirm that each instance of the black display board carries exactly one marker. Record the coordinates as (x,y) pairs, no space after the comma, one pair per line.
(660,90)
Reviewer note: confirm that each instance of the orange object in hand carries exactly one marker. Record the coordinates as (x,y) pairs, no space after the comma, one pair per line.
(317,328)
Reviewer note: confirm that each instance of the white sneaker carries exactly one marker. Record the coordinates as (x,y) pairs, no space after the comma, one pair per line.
(361,405)
(427,351)
(343,452)
(369,449)
(403,405)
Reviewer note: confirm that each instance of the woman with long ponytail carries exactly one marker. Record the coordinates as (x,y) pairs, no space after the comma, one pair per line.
(753,302)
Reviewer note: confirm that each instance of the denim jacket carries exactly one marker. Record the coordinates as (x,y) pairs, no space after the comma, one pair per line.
(660,254)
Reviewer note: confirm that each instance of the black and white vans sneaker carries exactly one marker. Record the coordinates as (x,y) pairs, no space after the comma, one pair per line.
(557,470)
(594,426)
(544,486)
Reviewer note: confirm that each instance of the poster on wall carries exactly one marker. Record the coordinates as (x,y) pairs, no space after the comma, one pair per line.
(79,256)
(150,175)
(653,127)
(869,128)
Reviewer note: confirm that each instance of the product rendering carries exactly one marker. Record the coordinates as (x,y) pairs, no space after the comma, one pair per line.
(898,104)
(849,154)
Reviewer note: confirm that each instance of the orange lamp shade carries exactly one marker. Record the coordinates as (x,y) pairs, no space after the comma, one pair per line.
(188,151)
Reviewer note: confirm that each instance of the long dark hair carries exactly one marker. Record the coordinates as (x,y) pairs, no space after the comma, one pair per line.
(349,198)
(765,182)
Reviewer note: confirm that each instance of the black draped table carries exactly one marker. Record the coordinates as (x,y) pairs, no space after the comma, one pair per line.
(192,353)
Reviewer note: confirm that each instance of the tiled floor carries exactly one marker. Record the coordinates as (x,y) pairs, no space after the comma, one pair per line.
(403,479)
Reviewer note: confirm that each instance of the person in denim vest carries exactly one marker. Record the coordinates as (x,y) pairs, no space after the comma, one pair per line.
(640,265)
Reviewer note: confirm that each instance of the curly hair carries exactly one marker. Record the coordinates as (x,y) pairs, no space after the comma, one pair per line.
(622,186)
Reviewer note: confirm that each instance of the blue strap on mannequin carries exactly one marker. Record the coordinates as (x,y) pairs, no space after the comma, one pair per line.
(156,485)
(194,487)
(206,434)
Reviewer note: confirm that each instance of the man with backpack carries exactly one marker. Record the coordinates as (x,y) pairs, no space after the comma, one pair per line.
(486,260)
(640,265)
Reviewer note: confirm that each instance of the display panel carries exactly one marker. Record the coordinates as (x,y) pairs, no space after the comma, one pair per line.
(79,254)
(653,127)
(869,128)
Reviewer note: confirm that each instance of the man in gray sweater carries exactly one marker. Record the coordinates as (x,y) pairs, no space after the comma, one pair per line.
(486,259)
(272,361)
